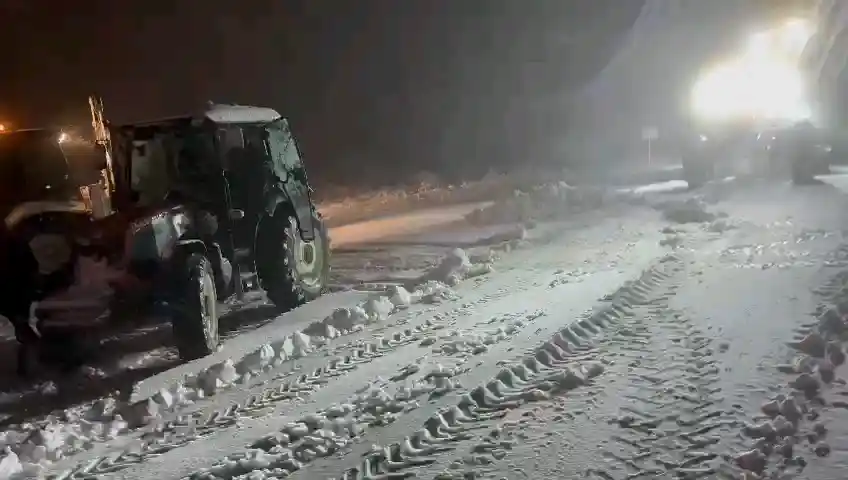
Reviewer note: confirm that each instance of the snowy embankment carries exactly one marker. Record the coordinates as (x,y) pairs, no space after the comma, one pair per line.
(343,208)
(838,178)
(559,200)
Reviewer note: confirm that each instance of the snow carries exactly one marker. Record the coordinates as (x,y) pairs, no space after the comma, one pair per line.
(346,416)
(345,207)
(87,298)
(221,113)
(10,465)
(410,225)
(306,332)
(546,202)
(478,333)
(663,187)
(690,210)
(838,179)
(102,421)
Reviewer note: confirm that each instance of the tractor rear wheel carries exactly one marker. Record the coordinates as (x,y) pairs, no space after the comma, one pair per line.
(292,271)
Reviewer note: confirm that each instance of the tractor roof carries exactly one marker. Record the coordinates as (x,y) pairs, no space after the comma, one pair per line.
(241,114)
(222,114)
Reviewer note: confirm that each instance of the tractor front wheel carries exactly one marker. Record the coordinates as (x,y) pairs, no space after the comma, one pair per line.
(194,311)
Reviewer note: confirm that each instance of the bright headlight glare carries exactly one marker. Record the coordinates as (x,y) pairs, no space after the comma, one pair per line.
(763,82)
(755,89)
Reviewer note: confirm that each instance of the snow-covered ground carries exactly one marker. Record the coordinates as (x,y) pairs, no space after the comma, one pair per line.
(557,332)
(344,208)
(375,262)
(838,178)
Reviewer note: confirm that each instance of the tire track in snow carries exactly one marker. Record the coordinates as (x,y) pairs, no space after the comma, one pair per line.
(553,368)
(300,443)
(184,430)
(664,381)
(188,427)
(675,420)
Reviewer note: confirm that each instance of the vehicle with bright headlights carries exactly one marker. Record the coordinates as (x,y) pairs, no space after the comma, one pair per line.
(735,101)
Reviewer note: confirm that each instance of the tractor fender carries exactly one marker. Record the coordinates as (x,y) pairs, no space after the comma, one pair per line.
(283,203)
(171,275)
(221,267)
(185,247)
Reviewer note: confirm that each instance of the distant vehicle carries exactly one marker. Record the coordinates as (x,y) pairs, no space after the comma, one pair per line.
(713,151)
(758,88)
(807,150)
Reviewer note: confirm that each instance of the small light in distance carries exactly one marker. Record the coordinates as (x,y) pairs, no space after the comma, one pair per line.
(2,128)
(704,138)
(63,137)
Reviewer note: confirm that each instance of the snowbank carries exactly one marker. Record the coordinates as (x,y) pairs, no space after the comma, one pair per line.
(663,187)
(32,447)
(545,202)
(690,210)
(345,207)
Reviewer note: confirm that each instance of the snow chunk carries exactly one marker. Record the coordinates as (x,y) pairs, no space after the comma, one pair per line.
(302,345)
(10,465)
(296,345)
(141,413)
(452,269)
(543,202)
(691,210)
(399,296)
(257,360)
(101,410)
(218,376)
(347,318)
(51,437)
(323,330)
(433,292)
(378,309)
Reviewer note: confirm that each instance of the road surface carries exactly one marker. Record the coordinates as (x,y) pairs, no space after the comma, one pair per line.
(367,256)
(612,346)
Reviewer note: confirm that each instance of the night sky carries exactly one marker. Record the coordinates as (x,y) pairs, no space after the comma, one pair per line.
(407,85)
(394,86)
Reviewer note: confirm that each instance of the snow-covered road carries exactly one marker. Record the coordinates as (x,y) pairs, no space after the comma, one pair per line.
(612,345)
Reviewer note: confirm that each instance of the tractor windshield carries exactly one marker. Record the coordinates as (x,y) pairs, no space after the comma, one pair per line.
(44,165)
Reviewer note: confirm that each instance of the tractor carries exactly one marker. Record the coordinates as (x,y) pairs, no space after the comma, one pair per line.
(190,213)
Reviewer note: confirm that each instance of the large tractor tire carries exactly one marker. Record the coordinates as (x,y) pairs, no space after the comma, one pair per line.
(801,174)
(291,270)
(697,172)
(805,167)
(194,310)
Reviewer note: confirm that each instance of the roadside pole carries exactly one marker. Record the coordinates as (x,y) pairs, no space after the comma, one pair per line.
(649,134)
